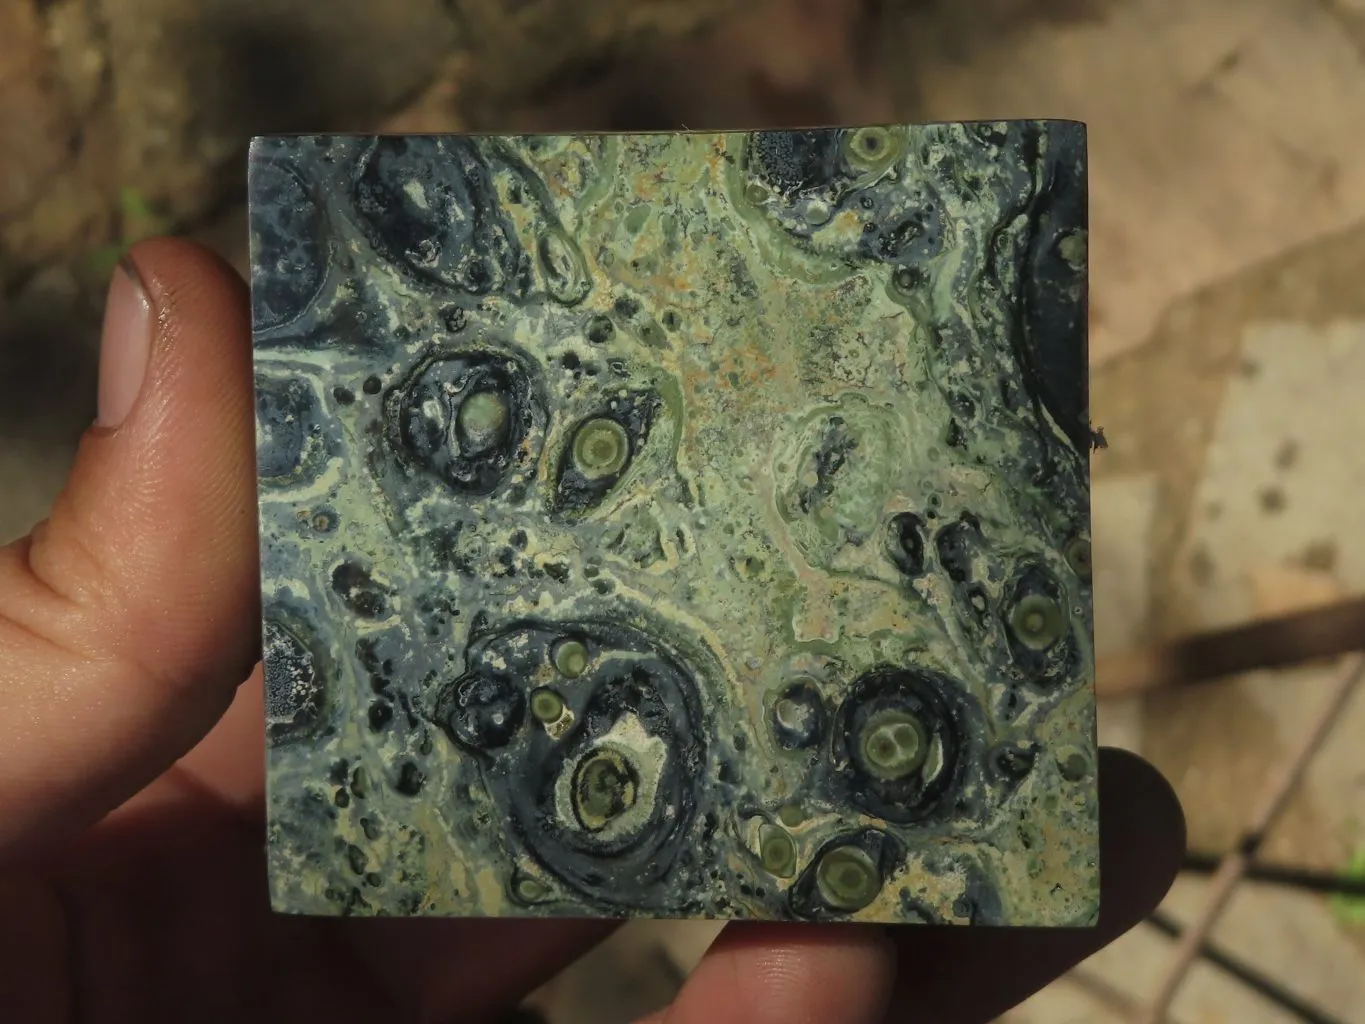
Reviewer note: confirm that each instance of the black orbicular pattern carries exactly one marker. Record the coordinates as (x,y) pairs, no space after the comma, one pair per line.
(484,710)
(1038,624)
(1054,293)
(291,446)
(430,205)
(793,162)
(955,544)
(601,449)
(845,875)
(900,742)
(905,543)
(601,783)
(804,179)
(466,417)
(289,254)
(295,675)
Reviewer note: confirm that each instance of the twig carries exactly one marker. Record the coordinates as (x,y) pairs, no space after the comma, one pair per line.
(1274,874)
(1269,989)
(1326,632)
(1234,865)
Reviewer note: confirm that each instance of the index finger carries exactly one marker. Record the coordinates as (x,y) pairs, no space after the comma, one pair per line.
(776,973)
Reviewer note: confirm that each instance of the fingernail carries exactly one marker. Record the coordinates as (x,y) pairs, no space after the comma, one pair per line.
(125,344)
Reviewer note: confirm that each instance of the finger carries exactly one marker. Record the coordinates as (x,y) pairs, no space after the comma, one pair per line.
(229,763)
(972,975)
(789,974)
(958,975)
(128,617)
(468,969)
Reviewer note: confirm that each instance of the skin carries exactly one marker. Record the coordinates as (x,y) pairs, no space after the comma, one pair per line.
(132,873)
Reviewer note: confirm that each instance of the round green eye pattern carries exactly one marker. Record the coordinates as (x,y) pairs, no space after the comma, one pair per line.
(600,448)
(1078,557)
(571,659)
(482,421)
(530,890)
(777,851)
(894,744)
(546,705)
(872,149)
(1038,622)
(604,789)
(847,878)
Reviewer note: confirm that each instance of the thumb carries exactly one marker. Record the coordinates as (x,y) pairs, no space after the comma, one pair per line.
(129,616)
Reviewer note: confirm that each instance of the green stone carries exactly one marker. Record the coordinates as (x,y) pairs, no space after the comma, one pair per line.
(693,516)
(1078,557)
(777,851)
(571,658)
(894,744)
(847,878)
(546,705)
(600,448)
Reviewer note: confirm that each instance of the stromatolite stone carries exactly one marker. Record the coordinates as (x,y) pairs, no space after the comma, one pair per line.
(681,525)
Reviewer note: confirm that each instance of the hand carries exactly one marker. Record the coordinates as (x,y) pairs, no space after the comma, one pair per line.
(132,872)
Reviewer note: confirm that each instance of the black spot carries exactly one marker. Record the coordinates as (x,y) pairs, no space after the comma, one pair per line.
(454,318)
(1013,761)
(343,396)
(634,413)
(953,543)
(836,445)
(380,715)
(355,856)
(410,779)
(599,329)
(359,592)
(905,543)
(518,540)
(794,161)
(372,385)
(484,709)
(626,306)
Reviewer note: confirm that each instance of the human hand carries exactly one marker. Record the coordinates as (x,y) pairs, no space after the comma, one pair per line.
(132,867)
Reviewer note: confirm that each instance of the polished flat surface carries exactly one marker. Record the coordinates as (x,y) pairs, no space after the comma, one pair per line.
(678,525)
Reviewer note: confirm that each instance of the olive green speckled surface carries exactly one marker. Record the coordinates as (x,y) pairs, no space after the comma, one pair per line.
(678,525)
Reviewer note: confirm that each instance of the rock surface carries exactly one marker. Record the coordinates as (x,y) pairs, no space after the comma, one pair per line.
(678,525)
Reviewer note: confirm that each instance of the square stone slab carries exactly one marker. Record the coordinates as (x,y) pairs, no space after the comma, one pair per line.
(677,525)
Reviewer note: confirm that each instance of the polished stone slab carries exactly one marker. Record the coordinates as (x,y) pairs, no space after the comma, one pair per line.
(678,524)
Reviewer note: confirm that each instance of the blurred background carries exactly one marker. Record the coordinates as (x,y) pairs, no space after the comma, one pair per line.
(1227,344)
